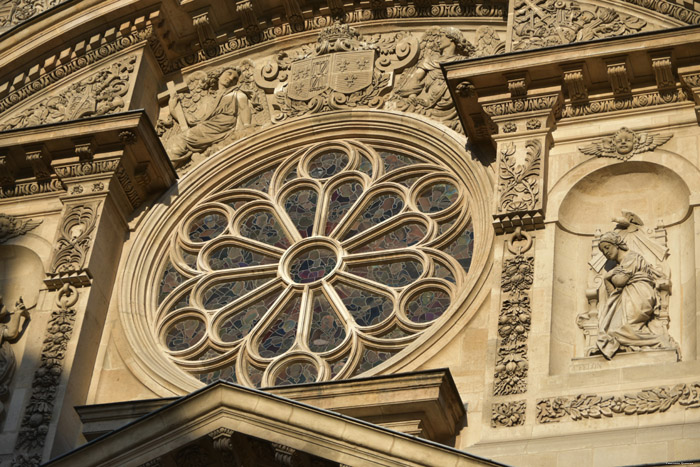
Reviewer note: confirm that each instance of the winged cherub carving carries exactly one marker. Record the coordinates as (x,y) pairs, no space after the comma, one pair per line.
(12,227)
(624,144)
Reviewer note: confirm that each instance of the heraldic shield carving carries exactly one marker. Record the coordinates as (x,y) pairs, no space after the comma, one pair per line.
(344,72)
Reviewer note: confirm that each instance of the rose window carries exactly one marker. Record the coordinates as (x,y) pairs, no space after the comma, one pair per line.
(320,266)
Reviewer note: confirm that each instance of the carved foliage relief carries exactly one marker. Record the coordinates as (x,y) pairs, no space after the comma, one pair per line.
(508,414)
(47,378)
(15,12)
(545,23)
(99,94)
(519,182)
(586,406)
(514,317)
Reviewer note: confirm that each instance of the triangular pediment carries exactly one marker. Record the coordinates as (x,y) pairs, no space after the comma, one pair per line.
(227,424)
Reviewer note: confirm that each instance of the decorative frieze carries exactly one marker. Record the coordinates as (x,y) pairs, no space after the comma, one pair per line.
(47,378)
(646,401)
(517,106)
(636,101)
(624,144)
(81,169)
(31,188)
(507,414)
(11,227)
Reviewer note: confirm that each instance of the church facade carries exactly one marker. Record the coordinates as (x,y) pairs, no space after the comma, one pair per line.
(349,233)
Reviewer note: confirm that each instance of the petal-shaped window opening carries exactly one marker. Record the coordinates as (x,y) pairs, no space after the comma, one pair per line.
(397,273)
(379,209)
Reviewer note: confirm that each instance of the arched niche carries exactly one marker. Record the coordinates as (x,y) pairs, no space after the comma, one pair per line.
(21,274)
(661,198)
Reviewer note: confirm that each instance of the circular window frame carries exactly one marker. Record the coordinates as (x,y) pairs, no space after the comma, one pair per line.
(380,129)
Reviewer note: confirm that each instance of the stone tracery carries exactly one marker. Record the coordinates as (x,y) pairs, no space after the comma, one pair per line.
(368,254)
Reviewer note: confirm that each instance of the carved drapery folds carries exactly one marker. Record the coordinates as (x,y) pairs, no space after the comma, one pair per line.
(574,21)
(72,247)
(11,227)
(628,302)
(587,406)
(47,378)
(514,317)
(624,144)
(101,93)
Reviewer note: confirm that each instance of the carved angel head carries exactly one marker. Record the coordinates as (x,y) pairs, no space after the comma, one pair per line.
(448,41)
(624,140)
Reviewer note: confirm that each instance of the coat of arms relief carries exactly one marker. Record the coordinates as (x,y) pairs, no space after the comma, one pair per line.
(342,70)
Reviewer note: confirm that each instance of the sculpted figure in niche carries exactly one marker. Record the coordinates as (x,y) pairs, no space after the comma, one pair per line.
(630,318)
(227,111)
(11,326)
(423,89)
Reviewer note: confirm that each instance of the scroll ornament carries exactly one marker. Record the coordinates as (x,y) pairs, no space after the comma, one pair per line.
(75,239)
(624,144)
(11,227)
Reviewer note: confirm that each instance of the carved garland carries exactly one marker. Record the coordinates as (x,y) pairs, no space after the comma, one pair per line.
(514,318)
(585,406)
(47,378)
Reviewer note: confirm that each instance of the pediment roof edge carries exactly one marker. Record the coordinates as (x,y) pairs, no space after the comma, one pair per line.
(266,416)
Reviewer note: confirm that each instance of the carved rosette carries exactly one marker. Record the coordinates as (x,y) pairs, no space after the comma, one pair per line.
(514,317)
(508,414)
(47,378)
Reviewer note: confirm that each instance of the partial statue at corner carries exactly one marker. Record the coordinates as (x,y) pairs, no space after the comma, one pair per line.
(629,309)
(11,326)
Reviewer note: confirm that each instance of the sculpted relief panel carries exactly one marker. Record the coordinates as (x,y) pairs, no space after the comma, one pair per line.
(628,311)
(342,70)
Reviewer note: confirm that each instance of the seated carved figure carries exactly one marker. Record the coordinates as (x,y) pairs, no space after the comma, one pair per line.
(629,319)
(229,110)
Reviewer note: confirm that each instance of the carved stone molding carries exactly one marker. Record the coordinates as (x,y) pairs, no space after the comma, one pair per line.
(618,78)
(39,411)
(22,11)
(636,101)
(11,227)
(100,94)
(575,82)
(670,8)
(73,245)
(507,414)
(514,317)
(624,144)
(663,72)
(646,401)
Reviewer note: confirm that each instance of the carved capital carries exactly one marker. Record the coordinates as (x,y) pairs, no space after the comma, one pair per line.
(85,147)
(618,76)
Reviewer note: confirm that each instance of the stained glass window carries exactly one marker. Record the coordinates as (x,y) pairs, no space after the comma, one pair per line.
(332,255)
